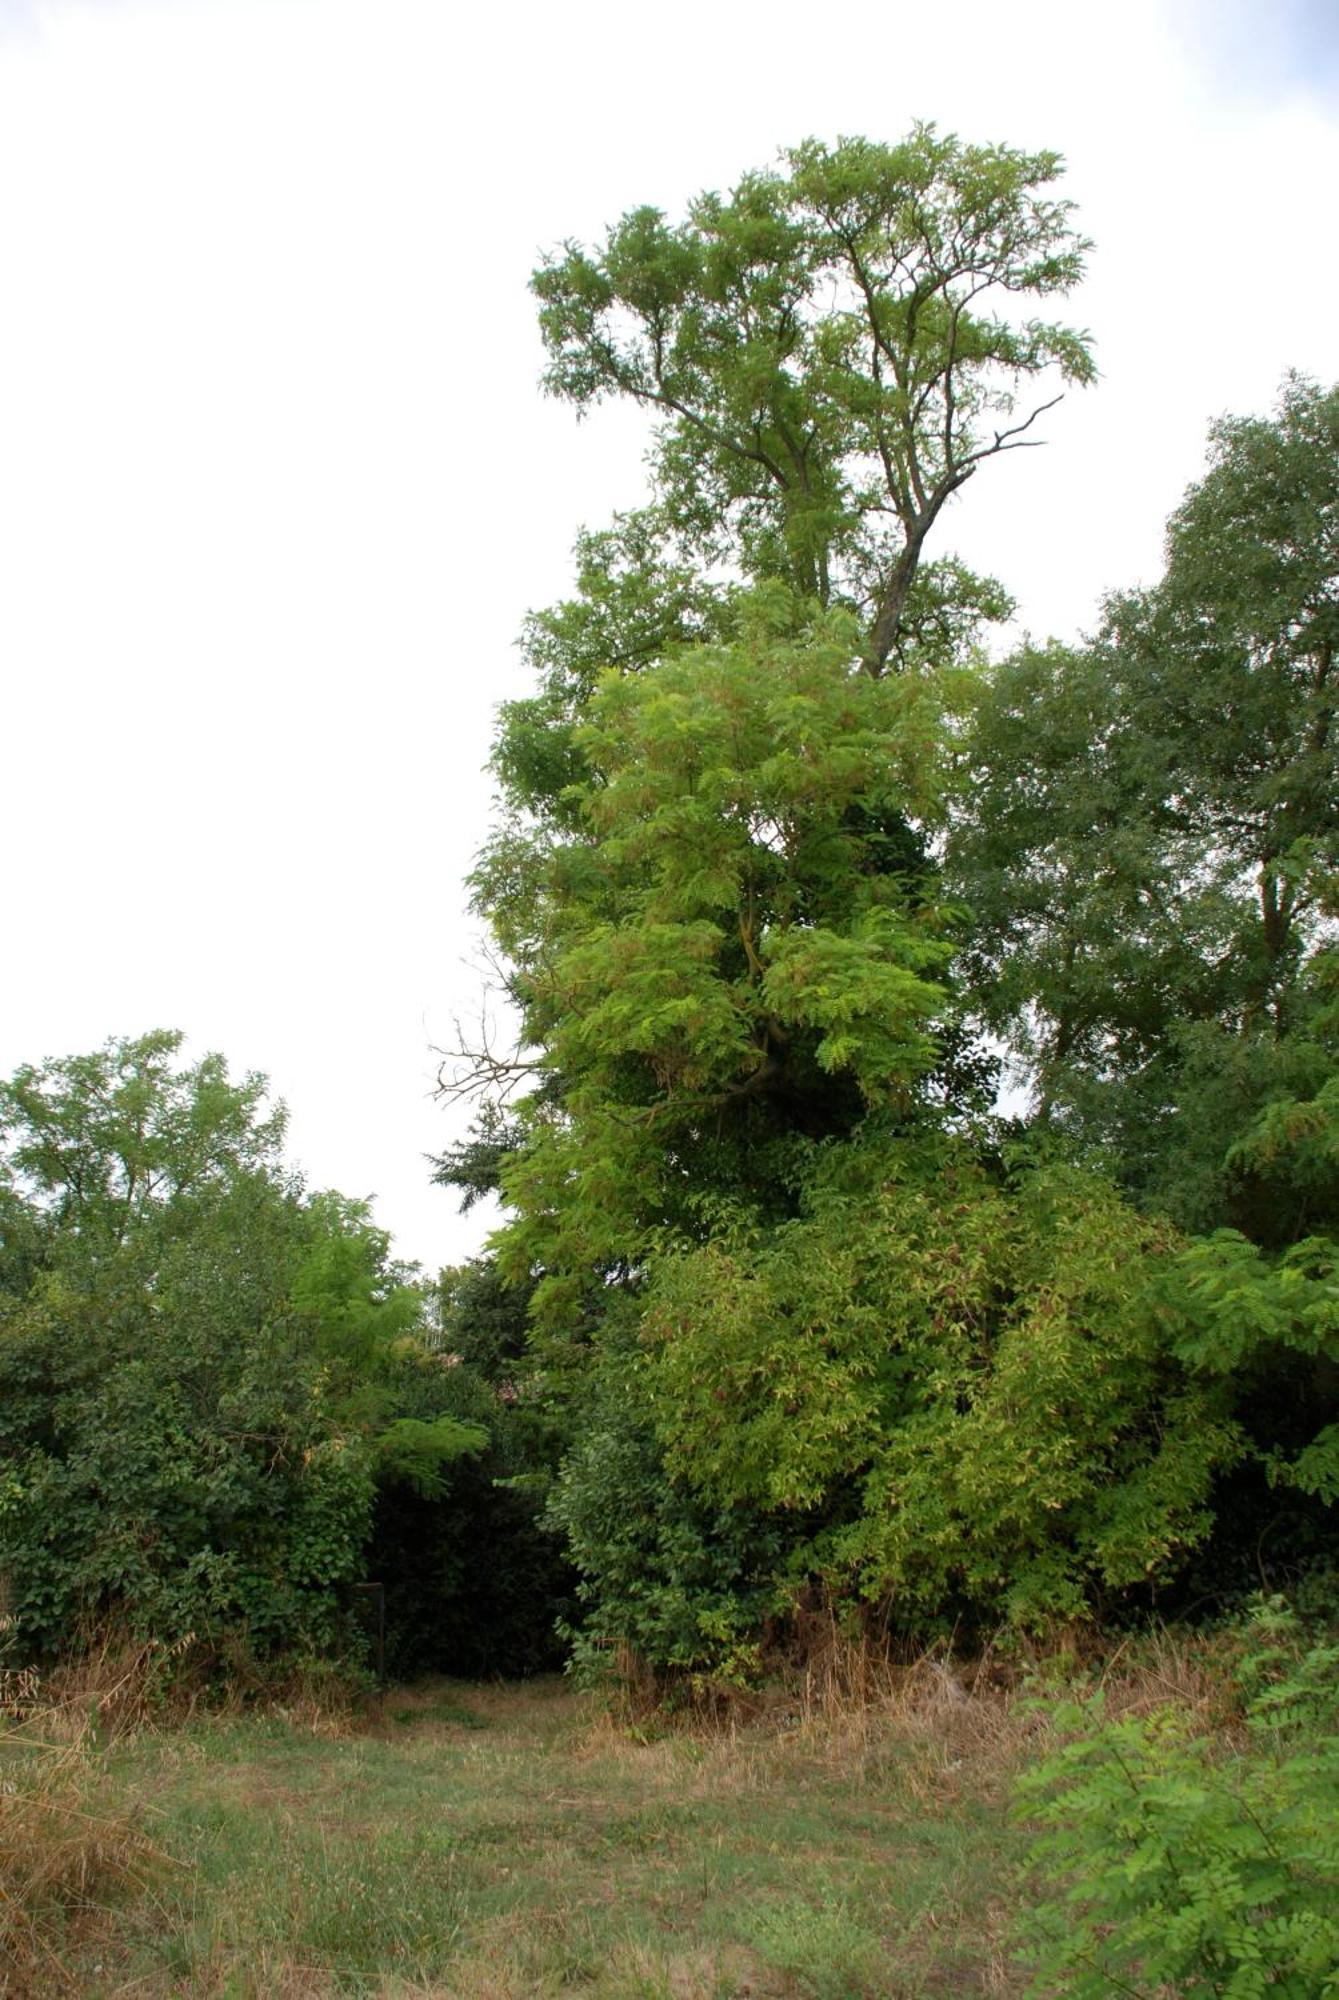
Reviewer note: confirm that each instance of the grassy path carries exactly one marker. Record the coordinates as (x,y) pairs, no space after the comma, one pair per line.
(492,1843)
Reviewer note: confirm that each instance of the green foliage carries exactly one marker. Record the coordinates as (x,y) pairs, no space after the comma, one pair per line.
(171,1460)
(212,1386)
(1147,834)
(942,1393)
(1148,837)
(740,946)
(482,1320)
(1176,1865)
(418,1453)
(753,892)
(713,888)
(1256,1321)
(638,598)
(954,1383)
(104,1140)
(356,1307)
(682,1583)
(829,356)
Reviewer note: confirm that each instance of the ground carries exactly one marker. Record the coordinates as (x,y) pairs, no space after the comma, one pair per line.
(497,1842)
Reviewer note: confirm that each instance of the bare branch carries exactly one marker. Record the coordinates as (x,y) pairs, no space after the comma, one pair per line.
(1010,440)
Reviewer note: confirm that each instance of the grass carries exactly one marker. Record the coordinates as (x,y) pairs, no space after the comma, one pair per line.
(502,1842)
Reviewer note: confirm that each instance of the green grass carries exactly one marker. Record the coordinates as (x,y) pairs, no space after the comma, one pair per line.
(495,1843)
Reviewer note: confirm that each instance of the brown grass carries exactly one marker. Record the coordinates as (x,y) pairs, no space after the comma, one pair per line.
(113,1685)
(63,1853)
(71,1844)
(604,1850)
(969,1724)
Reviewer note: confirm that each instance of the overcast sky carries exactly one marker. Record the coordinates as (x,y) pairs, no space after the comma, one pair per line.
(277,484)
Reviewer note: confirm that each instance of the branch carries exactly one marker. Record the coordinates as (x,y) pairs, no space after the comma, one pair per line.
(474,1066)
(1012,439)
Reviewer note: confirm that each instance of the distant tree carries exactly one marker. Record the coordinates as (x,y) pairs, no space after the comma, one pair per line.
(103,1142)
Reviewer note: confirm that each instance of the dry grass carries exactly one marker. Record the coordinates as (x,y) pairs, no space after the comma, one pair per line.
(955,1728)
(68,1846)
(846,1834)
(114,1684)
(74,1844)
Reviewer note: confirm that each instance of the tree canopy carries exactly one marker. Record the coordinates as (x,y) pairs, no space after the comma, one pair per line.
(1150,835)
(832,1321)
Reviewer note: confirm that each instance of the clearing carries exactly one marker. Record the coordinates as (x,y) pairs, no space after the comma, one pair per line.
(505,1841)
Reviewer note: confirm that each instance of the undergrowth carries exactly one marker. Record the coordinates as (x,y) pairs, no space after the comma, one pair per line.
(70,1841)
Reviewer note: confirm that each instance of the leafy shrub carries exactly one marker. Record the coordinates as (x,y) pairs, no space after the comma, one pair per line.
(1174,1866)
(952,1385)
(218,1394)
(174,1490)
(174,1459)
(682,1583)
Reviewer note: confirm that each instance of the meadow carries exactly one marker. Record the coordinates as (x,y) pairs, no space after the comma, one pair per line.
(506,1840)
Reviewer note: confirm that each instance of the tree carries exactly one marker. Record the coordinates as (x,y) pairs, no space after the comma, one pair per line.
(1151,837)
(742,954)
(215,1388)
(818,1332)
(1150,844)
(937,1399)
(106,1140)
(832,352)
(948,1376)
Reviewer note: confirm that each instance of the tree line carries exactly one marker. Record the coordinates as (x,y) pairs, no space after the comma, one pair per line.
(920,1151)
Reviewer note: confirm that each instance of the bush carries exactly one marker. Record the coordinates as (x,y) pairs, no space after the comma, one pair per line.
(950,1382)
(684,1585)
(172,1459)
(170,1495)
(1172,1864)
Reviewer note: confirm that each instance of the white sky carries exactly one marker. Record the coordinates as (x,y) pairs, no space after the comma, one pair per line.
(277,484)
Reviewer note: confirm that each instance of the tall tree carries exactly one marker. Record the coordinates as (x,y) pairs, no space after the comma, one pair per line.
(814,1328)
(831,352)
